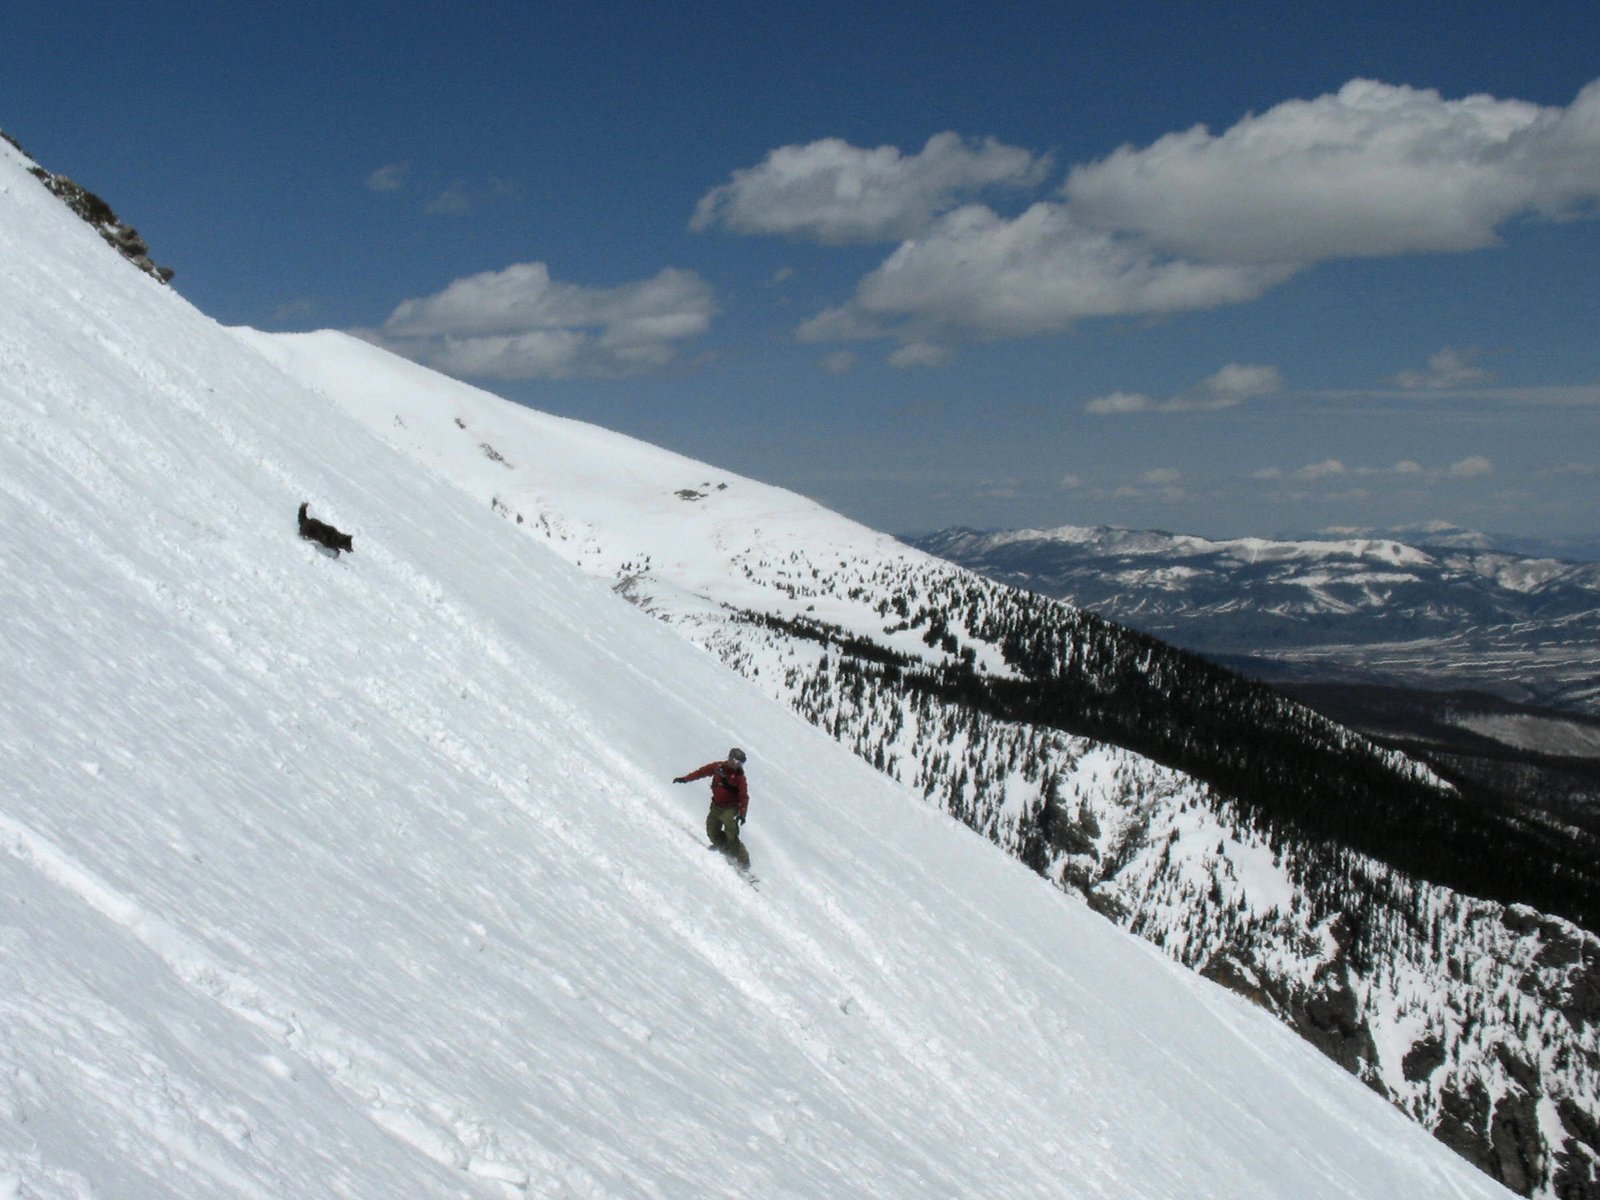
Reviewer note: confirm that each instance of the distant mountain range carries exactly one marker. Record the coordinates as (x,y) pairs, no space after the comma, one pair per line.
(1448,611)
(1442,535)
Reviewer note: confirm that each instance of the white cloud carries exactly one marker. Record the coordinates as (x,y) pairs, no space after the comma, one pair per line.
(1160,477)
(454,201)
(921,354)
(1121,402)
(520,323)
(1371,170)
(460,197)
(1451,367)
(1476,467)
(1070,482)
(832,192)
(388,178)
(838,363)
(1192,221)
(1237,382)
(977,273)
(1229,387)
(1327,469)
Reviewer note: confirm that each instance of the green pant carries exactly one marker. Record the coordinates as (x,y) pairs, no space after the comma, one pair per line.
(722,827)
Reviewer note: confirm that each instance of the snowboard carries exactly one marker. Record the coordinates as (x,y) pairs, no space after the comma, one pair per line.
(741,866)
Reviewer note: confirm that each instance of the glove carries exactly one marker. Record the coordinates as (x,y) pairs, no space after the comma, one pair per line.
(741,822)
(680,779)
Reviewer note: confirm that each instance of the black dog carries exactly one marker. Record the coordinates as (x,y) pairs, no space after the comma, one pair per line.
(323,534)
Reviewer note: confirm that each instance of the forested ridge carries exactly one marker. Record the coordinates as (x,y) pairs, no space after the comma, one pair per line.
(1074,671)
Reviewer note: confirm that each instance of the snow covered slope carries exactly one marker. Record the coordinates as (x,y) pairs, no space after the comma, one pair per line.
(1363,959)
(1349,942)
(360,877)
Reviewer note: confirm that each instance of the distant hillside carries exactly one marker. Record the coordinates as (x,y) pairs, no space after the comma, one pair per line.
(1372,610)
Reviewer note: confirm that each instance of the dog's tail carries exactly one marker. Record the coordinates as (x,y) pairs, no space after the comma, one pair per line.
(301,516)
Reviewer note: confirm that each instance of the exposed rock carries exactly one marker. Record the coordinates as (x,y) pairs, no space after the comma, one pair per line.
(1463,1123)
(121,236)
(1579,1124)
(1228,969)
(1576,1177)
(1577,1164)
(1581,1004)
(1331,1020)
(1514,1142)
(1108,904)
(1566,969)
(1423,1059)
(1520,1069)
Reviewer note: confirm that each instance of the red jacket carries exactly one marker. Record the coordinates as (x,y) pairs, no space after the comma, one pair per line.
(729,788)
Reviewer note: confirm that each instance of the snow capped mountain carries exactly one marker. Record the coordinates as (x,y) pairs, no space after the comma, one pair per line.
(933,675)
(1432,614)
(361,876)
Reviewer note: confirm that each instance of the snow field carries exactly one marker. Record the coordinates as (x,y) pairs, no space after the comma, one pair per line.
(362,877)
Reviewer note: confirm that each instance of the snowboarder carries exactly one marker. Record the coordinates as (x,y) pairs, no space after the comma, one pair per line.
(730,802)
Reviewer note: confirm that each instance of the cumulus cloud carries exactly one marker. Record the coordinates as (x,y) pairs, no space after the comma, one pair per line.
(1194,220)
(1327,469)
(977,273)
(520,323)
(1121,402)
(832,192)
(838,363)
(1229,387)
(1451,367)
(1475,467)
(921,354)
(1371,170)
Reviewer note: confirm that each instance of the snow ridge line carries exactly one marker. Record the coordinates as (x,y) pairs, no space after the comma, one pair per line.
(428,1123)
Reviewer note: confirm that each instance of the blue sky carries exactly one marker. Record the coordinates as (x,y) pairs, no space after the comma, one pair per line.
(1224,269)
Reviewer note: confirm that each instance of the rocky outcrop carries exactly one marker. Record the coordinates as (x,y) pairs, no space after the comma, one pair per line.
(1487,1111)
(1577,1173)
(118,234)
(1423,1059)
